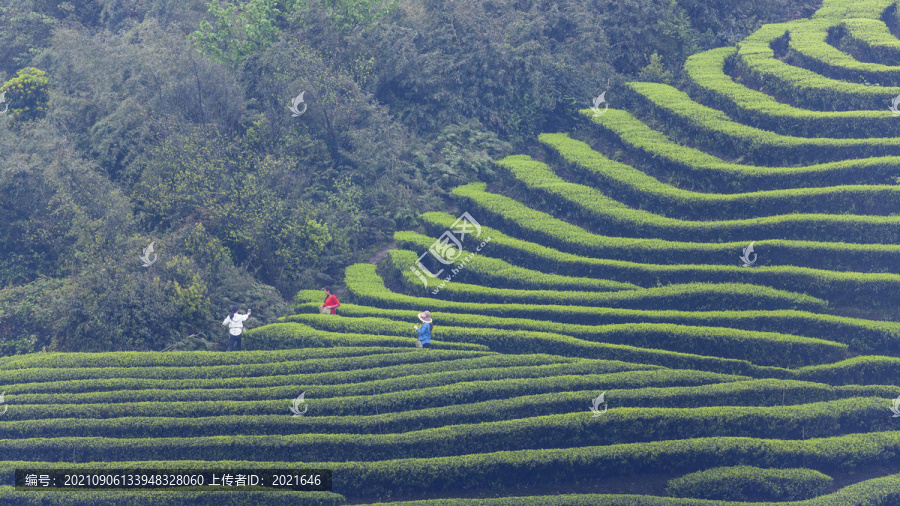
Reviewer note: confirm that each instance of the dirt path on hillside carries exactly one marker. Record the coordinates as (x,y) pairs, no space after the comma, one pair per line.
(381,255)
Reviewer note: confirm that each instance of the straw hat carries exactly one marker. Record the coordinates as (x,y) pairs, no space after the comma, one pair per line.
(425,317)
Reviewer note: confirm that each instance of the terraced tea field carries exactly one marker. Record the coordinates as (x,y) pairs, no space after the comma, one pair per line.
(608,261)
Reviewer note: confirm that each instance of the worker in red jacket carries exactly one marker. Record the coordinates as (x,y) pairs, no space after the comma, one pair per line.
(331,300)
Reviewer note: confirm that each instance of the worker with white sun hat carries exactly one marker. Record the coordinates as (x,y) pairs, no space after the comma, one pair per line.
(424,339)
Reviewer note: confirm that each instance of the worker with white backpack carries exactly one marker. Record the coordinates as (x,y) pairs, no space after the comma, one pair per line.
(235,324)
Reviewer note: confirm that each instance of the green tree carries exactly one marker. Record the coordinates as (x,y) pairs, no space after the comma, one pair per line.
(110,92)
(345,15)
(23,33)
(362,139)
(655,71)
(198,175)
(245,27)
(27,94)
(464,153)
(518,67)
(27,317)
(238,29)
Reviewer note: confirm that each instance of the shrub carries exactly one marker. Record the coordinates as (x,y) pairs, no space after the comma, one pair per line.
(741,483)
(27,94)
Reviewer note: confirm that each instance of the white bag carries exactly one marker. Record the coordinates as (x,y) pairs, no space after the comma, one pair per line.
(418,343)
(324,310)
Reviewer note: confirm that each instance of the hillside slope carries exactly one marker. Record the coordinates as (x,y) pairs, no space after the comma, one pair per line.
(714,268)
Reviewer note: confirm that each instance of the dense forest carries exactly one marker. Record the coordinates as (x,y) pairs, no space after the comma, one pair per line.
(131,122)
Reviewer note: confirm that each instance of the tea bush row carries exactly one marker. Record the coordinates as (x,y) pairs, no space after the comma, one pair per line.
(708,81)
(608,217)
(704,170)
(520,220)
